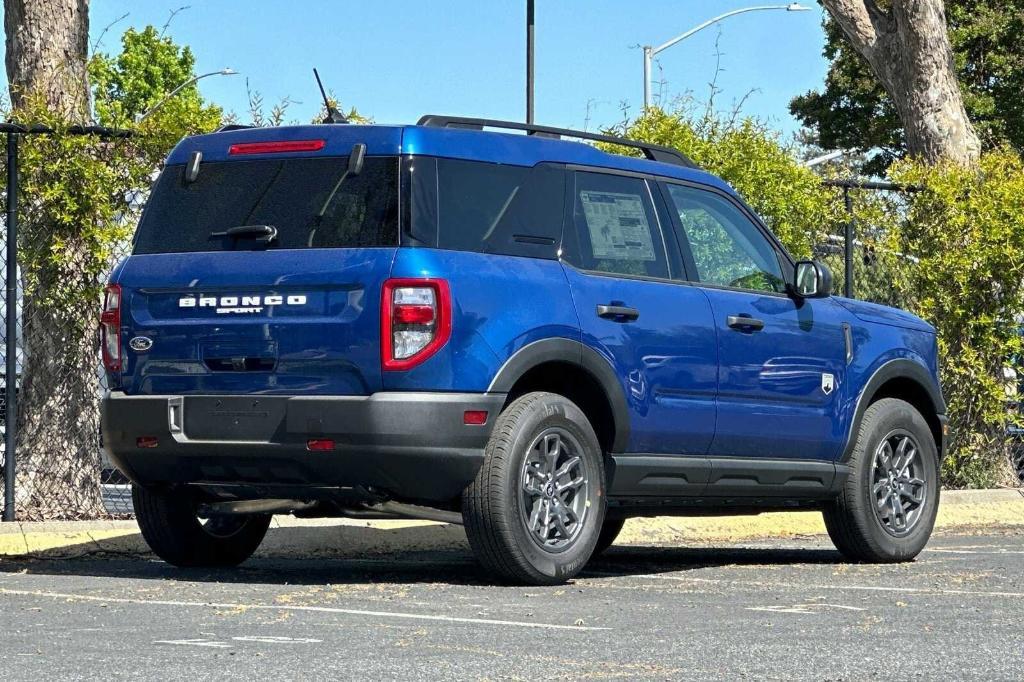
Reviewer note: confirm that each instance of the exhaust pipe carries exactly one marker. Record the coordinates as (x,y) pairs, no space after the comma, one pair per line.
(415,511)
(272,506)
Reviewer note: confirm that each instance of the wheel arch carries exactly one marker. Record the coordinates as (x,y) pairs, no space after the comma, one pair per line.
(578,372)
(908,381)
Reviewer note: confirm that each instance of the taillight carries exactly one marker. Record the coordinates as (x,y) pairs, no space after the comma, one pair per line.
(416,320)
(110,328)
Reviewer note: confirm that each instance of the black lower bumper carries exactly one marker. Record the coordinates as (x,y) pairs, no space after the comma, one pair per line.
(408,445)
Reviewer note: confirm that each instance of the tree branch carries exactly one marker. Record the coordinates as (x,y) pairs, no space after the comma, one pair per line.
(865,24)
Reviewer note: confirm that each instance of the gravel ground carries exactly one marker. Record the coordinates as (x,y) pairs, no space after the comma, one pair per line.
(781,609)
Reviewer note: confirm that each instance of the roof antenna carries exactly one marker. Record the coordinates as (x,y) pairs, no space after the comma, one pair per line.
(333,115)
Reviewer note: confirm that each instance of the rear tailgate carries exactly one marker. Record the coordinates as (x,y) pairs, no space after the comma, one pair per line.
(258,264)
(274,322)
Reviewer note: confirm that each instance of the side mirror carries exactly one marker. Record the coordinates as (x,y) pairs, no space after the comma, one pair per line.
(812,279)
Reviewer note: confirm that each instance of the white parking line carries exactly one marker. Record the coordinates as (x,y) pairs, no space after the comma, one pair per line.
(291,607)
(812,586)
(951,550)
(205,643)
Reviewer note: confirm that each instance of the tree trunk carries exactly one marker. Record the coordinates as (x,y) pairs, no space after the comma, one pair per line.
(908,49)
(58,435)
(47,47)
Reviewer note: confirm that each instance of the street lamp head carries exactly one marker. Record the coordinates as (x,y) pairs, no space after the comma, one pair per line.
(797,7)
(228,71)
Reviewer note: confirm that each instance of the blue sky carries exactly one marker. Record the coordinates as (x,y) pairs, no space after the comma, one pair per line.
(397,59)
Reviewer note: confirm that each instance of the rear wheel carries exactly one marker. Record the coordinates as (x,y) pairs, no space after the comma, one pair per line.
(174,531)
(887,508)
(534,512)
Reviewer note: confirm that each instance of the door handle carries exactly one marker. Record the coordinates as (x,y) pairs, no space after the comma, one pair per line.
(744,323)
(617,313)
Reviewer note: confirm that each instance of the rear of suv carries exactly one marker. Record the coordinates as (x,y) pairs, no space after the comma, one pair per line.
(524,334)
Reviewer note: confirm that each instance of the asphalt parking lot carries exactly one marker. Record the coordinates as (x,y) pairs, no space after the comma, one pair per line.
(781,609)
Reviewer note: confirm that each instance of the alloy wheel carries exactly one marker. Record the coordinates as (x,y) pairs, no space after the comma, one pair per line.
(898,483)
(554,485)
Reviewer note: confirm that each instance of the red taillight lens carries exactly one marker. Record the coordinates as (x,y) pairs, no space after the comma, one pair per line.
(146,442)
(319,444)
(416,321)
(276,147)
(110,328)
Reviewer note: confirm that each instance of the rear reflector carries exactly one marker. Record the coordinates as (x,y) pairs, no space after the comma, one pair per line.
(276,147)
(474,417)
(318,444)
(146,442)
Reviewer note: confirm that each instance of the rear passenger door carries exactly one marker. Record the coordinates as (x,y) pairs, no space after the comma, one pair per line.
(657,333)
(782,360)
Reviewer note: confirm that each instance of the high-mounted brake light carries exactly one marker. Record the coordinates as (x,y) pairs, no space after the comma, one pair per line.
(276,147)
(415,321)
(110,328)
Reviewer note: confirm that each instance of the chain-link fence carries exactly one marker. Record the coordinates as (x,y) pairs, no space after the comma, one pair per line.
(874,266)
(56,377)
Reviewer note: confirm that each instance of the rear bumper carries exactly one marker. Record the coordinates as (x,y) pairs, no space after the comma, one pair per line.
(409,445)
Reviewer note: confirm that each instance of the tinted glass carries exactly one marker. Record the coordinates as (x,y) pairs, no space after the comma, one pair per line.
(301,198)
(728,249)
(486,207)
(616,227)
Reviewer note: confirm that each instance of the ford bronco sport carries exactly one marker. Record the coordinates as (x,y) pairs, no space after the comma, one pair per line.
(522,333)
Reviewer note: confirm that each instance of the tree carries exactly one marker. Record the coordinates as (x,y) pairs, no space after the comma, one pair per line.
(906,44)
(80,205)
(854,111)
(46,52)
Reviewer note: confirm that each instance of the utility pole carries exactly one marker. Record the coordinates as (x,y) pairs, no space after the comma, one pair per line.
(529,61)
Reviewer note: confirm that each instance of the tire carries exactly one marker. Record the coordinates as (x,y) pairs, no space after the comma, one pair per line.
(609,531)
(860,532)
(174,532)
(494,506)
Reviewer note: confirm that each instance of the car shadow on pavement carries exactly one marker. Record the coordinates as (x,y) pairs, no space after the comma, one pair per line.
(408,563)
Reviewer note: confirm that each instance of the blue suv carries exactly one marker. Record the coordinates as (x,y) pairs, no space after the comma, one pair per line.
(481,322)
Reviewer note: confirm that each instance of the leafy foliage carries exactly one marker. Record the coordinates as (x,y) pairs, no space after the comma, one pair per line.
(854,111)
(967,228)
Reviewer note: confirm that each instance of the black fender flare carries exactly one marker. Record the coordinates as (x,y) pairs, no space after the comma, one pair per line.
(900,368)
(575,353)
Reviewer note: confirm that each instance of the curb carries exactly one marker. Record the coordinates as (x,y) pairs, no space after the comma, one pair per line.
(289,537)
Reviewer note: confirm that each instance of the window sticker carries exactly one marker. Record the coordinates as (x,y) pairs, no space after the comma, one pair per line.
(618,226)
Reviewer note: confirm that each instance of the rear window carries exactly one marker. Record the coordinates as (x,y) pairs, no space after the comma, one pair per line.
(300,198)
(486,207)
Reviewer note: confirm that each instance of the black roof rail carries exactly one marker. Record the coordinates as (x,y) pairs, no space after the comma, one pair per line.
(654,152)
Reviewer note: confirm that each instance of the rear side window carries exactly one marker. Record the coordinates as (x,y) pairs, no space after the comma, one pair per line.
(486,207)
(310,203)
(617,229)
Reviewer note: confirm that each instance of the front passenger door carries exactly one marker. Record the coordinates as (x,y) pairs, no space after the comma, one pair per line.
(782,360)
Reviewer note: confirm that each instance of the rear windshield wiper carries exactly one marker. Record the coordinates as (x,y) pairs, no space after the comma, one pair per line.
(262,233)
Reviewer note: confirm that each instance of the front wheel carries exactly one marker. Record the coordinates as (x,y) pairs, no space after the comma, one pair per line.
(886,510)
(174,531)
(535,510)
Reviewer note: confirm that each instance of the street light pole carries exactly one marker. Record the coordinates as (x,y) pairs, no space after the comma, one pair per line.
(650,52)
(175,91)
(529,61)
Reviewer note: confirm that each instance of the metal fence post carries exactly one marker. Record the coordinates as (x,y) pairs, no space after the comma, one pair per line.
(848,245)
(11,342)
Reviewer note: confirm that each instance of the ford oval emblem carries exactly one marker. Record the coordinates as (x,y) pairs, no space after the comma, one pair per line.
(141,344)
